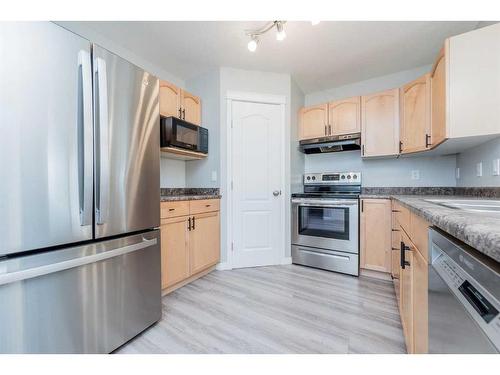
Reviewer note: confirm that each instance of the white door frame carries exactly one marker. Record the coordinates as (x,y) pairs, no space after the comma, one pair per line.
(240,96)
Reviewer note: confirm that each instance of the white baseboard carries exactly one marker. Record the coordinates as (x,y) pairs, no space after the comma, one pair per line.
(286,260)
(223,266)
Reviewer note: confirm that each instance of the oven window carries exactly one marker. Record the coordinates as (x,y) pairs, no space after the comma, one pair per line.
(324,222)
(186,135)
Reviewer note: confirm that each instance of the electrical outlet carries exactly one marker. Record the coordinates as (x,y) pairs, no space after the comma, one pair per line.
(457,173)
(415,174)
(496,167)
(214,176)
(479,169)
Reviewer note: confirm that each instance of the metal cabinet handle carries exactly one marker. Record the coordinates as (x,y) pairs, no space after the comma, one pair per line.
(403,249)
(194,222)
(400,146)
(184,113)
(427,140)
(72,263)
(85,135)
(180,113)
(326,129)
(189,224)
(329,129)
(102,145)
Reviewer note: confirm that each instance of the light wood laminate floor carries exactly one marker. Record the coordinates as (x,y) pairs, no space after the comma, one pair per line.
(277,309)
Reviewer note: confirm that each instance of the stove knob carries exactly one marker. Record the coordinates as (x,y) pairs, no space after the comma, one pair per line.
(355,176)
(314,177)
(348,176)
(342,177)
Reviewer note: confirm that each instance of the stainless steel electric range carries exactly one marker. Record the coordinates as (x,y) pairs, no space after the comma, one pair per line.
(325,222)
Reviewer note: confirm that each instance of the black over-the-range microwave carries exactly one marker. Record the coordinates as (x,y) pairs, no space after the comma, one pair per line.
(178,133)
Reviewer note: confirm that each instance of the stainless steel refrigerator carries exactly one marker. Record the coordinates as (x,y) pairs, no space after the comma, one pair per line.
(79,194)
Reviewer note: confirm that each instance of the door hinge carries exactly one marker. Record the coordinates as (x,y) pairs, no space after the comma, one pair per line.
(231,185)
(232,246)
(232,124)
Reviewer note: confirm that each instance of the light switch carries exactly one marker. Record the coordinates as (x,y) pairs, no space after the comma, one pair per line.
(479,169)
(415,174)
(214,176)
(496,167)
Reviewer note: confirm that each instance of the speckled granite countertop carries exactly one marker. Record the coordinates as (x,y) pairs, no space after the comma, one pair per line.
(188,194)
(479,230)
(188,197)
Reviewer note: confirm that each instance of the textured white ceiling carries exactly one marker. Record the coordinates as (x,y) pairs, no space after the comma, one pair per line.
(330,54)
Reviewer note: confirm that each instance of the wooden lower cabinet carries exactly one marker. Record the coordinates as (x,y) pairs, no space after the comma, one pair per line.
(376,235)
(190,241)
(174,251)
(412,282)
(204,241)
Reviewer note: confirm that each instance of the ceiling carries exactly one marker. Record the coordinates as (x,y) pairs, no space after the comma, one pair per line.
(327,55)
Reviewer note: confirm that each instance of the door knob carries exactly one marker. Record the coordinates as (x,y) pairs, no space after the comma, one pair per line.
(276,193)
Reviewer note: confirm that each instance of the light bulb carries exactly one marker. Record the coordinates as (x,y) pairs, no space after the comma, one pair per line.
(252,45)
(314,23)
(280,34)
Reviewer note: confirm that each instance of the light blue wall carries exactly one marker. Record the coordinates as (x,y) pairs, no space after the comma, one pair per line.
(434,171)
(468,159)
(199,172)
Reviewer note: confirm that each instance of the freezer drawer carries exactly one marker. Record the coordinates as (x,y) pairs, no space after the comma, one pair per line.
(86,299)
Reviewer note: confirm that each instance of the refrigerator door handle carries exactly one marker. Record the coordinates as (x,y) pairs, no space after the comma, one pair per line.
(30,273)
(102,147)
(85,138)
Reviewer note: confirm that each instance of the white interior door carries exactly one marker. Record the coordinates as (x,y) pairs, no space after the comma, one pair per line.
(257,177)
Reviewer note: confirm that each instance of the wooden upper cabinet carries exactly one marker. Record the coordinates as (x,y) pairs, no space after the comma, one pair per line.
(438,100)
(313,121)
(376,228)
(415,115)
(380,123)
(174,251)
(170,100)
(344,116)
(204,241)
(191,108)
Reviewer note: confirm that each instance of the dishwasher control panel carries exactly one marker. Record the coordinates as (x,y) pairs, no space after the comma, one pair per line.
(481,305)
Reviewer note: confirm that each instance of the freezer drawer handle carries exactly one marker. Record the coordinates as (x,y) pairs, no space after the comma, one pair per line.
(72,263)
(85,135)
(102,147)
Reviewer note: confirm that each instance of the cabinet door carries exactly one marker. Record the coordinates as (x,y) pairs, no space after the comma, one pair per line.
(313,121)
(415,113)
(438,100)
(191,108)
(345,116)
(376,234)
(420,284)
(380,123)
(174,251)
(204,241)
(406,280)
(170,100)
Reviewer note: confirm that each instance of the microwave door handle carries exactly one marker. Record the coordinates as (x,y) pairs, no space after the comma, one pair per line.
(85,135)
(102,162)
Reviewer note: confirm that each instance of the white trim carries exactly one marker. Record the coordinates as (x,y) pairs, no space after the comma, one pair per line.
(264,99)
(224,266)
(286,260)
(253,97)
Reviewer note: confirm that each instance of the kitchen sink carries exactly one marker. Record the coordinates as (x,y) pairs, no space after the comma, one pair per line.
(472,205)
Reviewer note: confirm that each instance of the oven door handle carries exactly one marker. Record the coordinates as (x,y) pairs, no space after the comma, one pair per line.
(328,205)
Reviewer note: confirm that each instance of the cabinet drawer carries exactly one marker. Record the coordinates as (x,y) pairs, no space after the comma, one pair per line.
(203,205)
(419,235)
(174,209)
(403,217)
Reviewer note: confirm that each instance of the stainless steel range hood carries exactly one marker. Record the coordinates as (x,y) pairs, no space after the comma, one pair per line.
(334,143)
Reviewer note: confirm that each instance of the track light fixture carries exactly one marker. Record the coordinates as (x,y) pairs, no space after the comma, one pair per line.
(255,34)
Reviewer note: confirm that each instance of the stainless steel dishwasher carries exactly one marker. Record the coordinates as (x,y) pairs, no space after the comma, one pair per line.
(464,298)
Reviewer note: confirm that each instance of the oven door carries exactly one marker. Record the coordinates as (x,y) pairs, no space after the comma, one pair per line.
(185,135)
(326,224)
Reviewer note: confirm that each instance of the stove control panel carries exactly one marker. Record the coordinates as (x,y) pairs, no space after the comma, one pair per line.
(333,178)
